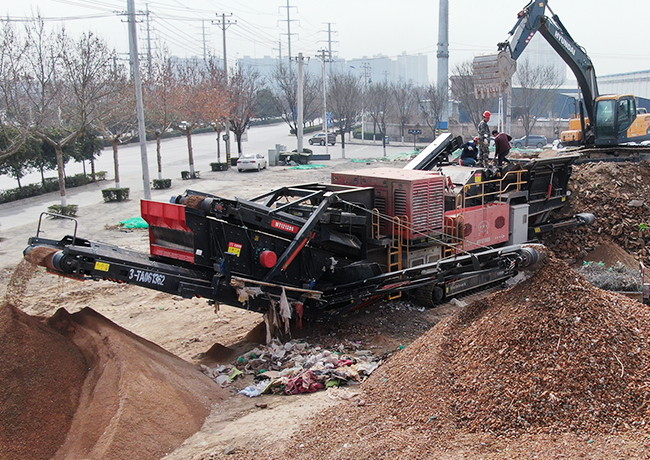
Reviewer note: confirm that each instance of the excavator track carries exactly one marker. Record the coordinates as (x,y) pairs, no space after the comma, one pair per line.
(617,153)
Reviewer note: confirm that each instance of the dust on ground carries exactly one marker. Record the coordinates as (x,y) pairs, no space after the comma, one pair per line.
(353,422)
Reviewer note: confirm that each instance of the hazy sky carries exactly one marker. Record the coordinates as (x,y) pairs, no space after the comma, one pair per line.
(614,34)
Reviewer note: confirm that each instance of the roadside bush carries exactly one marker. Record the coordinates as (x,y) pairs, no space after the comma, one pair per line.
(69,210)
(160,184)
(115,194)
(51,184)
(367,135)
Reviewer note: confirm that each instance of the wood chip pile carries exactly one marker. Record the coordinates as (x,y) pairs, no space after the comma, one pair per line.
(551,355)
(618,194)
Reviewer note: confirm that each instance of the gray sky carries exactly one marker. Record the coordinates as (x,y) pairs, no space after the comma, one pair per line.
(614,34)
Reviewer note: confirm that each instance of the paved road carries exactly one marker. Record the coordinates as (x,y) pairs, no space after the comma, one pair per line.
(175,160)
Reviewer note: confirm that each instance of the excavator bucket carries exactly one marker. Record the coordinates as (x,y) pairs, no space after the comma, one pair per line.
(493,74)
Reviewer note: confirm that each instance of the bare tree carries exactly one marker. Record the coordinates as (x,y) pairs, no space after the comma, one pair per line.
(537,84)
(60,88)
(189,103)
(243,87)
(379,107)
(118,121)
(285,97)
(217,103)
(344,99)
(12,50)
(159,91)
(432,101)
(462,89)
(405,104)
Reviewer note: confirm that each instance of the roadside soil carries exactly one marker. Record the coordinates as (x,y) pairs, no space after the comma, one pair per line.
(151,326)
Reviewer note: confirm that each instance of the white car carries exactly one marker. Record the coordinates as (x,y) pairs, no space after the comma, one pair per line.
(248,161)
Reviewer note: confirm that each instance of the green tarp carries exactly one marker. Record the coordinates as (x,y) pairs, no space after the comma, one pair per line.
(134,222)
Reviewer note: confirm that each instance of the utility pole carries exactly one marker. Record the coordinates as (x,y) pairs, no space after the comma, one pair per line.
(329,40)
(300,97)
(224,25)
(366,79)
(289,34)
(325,127)
(443,55)
(135,65)
(205,50)
(149,57)
(279,49)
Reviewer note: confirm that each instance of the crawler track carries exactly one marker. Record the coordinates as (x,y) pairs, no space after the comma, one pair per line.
(615,154)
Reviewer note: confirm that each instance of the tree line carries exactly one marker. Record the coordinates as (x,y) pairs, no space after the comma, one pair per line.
(58,94)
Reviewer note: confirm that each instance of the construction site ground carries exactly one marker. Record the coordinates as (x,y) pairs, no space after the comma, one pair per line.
(548,368)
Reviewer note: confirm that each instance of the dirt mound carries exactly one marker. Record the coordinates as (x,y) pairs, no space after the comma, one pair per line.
(139,401)
(41,376)
(611,254)
(552,355)
(79,386)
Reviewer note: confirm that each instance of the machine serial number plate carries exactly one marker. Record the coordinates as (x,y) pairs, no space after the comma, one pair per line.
(102,266)
(142,276)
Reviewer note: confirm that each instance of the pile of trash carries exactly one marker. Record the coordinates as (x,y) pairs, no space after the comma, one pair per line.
(294,368)
(618,277)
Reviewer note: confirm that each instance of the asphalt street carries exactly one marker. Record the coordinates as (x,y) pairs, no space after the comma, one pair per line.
(174,160)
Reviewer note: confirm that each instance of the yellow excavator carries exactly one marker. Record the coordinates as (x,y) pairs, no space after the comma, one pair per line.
(604,121)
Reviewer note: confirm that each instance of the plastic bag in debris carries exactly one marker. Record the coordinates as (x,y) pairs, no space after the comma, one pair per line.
(248,292)
(285,310)
(253,391)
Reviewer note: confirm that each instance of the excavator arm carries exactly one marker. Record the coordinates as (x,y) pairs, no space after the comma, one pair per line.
(532,19)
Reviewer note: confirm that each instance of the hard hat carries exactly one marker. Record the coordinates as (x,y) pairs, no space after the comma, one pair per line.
(476,139)
(487,114)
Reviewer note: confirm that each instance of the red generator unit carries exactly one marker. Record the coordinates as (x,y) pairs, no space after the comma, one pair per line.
(415,197)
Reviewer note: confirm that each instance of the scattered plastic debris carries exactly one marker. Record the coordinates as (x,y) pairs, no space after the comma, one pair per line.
(294,368)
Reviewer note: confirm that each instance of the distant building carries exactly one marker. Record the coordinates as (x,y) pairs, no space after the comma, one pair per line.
(264,66)
(637,83)
(540,54)
(407,68)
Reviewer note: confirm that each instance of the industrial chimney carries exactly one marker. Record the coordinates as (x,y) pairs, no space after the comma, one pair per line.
(443,55)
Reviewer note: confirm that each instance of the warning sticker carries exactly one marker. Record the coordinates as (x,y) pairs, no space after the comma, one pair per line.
(234,248)
(102,266)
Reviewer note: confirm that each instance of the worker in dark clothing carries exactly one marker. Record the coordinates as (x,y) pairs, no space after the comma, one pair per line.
(501,146)
(470,153)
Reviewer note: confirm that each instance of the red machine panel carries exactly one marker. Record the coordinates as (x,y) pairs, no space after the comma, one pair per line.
(415,196)
(480,226)
(169,235)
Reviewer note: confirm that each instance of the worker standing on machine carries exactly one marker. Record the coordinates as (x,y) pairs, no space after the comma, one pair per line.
(501,146)
(470,152)
(484,139)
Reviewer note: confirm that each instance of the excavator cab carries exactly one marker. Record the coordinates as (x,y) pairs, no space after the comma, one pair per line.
(614,116)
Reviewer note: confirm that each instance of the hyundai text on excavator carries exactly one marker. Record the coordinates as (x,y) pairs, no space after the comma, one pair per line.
(431,230)
(606,121)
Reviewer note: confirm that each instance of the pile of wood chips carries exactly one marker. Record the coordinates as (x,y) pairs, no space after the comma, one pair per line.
(552,356)
(618,194)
